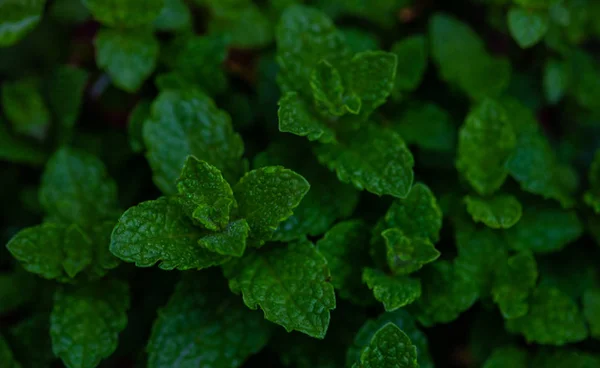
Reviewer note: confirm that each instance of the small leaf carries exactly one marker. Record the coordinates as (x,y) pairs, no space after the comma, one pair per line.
(86,321)
(269,279)
(174,16)
(514,281)
(25,108)
(17,18)
(328,90)
(591,311)
(17,150)
(393,291)
(159,230)
(230,242)
(295,117)
(372,75)
(267,196)
(497,212)
(125,13)
(527,27)
(508,356)
(406,255)
(427,126)
(388,348)
(129,57)
(135,125)
(412,63)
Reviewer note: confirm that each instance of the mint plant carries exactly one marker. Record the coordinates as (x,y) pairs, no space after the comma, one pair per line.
(299,183)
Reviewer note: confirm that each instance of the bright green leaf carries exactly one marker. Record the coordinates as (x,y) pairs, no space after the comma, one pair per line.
(230,242)
(406,255)
(296,117)
(393,291)
(328,91)
(389,348)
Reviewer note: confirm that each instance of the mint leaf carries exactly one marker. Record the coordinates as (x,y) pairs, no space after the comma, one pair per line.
(230,242)
(591,311)
(86,321)
(135,125)
(527,27)
(204,325)
(344,248)
(241,20)
(406,255)
(6,355)
(405,322)
(514,281)
(296,117)
(446,293)
(485,143)
(412,62)
(328,91)
(393,291)
(267,196)
(76,189)
(125,13)
(129,57)
(553,318)
(565,358)
(18,18)
(174,16)
(508,356)
(556,80)
(304,37)
(544,230)
(372,158)
(427,126)
(17,150)
(497,212)
(25,108)
(69,11)
(372,77)
(194,126)
(159,231)
(389,347)
(204,195)
(295,300)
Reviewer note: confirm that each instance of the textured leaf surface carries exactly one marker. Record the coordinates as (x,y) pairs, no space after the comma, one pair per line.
(159,231)
(230,242)
(296,117)
(527,27)
(345,247)
(372,76)
(515,279)
(25,108)
(485,143)
(328,90)
(406,255)
(17,18)
(204,195)
(76,188)
(393,291)
(553,319)
(86,322)
(591,311)
(204,325)
(125,13)
(187,123)
(405,322)
(544,230)
(373,159)
(129,57)
(497,212)
(389,347)
(267,196)
(290,284)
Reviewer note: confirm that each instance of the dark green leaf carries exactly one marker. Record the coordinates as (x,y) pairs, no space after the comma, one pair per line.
(393,291)
(388,348)
(497,212)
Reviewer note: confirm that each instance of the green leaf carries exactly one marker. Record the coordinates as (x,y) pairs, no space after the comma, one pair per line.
(359,39)
(135,125)
(508,356)
(405,322)
(544,230)
(76,189)
(527,27)
(269,279)
(304,37)
(32,348)
(129,57)
(592,196)
(406,255)
(243,21)
(125,13)
(427,126)
(556,80)
(565,358)
(69,12)
(25,108)
(174,16)
(296,117)
(267,196)
(159,230)
(6,355)
(371,78)
(412,63)
(16,289)
(328,91)
(230,242)
(498,212)
(485,143)
(463,61)
(553,319)
(194,126)
(591,311)
(514,281)
(393,291)
(17,150)
(86,321)
(418,215)
(17,18)
(345,248)
(389,347)
(446,293)
(204,325)
(372,158)
(204,195)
